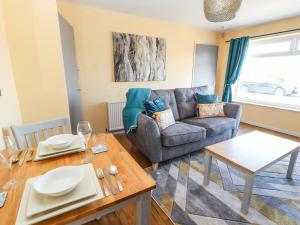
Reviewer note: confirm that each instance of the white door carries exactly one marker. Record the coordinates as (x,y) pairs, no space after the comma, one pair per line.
(71,72)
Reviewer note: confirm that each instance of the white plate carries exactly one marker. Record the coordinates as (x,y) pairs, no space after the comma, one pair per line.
(55,206)
(44,150)
(38,203)
(59,181)
(60,141)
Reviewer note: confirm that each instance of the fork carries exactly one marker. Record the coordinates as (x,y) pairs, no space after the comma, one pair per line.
(100,175)
(30,154)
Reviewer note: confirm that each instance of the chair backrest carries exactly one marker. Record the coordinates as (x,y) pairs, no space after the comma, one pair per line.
(34,130)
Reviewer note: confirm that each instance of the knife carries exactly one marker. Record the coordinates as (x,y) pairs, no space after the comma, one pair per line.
(3,196)
(23,158)
(119,183)
(113,189)
(17,158)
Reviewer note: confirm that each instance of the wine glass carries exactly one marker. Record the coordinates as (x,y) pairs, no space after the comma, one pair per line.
(8,157)
(84,131)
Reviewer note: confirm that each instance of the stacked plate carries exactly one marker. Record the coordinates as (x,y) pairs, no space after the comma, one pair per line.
(59,145)
(58,191)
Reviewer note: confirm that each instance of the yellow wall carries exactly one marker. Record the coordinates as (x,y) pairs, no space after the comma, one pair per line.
(34,44)
(9,106)
(34,53)
(266,116)
(93,36)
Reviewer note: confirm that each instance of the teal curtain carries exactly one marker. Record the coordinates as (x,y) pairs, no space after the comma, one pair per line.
(237,52)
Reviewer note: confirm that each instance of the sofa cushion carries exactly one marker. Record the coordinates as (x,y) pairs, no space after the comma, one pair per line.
(186,100)
(169,100)
(206,99)
(164,119)
(155,105)
(210,110)
(213,125)
(182,133)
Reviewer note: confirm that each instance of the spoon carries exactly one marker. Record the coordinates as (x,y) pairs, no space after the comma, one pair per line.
(113,170)
(100,174)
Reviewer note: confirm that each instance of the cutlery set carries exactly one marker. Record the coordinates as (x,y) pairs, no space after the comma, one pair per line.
(105,173)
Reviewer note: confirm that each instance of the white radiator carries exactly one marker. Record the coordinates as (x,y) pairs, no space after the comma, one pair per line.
(115,121)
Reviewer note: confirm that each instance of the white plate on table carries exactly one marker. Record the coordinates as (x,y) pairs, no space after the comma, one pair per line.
(60,141)
(44,151)
(59,181)
(35,207)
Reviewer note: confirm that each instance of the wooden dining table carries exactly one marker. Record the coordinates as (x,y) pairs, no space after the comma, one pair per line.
(136,182)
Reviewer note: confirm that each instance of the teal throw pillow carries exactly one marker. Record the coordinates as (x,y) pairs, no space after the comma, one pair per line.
(206,99)
(155,105)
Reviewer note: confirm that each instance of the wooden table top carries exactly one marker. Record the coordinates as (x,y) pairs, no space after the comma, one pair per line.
(135,181)
(253,151)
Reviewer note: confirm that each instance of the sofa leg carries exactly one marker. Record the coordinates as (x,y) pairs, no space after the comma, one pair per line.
(154,166)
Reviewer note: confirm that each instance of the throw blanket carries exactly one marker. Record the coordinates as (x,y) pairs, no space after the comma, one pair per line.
(136,98)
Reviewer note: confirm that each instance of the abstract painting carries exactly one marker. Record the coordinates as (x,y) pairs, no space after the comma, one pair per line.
(139,58)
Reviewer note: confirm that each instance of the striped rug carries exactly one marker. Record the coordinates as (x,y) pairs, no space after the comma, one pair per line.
(179,192)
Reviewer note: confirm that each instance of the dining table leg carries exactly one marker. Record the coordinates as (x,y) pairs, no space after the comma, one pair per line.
(143,209)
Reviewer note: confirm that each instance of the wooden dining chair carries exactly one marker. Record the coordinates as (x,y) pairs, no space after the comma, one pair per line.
(35,130)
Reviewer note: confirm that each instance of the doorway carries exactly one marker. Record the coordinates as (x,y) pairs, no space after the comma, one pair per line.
(205,66)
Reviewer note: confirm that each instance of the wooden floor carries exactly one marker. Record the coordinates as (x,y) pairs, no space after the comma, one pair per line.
(126,216)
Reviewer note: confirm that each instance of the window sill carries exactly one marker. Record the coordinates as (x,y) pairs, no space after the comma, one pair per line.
(267,104)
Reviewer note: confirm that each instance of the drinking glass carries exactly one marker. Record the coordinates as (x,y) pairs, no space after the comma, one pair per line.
(8,157)
(84,131)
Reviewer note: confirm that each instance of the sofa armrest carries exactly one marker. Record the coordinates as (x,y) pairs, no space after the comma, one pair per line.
(147,138)
(233,111)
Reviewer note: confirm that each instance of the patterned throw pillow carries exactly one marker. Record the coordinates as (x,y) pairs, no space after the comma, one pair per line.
(164,119)
(155,105)
(206,99)
(210,110)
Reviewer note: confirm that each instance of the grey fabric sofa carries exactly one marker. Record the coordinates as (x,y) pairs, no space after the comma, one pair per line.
(189,133)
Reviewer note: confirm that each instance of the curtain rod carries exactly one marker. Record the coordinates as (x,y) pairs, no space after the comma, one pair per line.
(269,34)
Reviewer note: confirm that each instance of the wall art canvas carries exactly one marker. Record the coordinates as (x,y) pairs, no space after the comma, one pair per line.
(139,58)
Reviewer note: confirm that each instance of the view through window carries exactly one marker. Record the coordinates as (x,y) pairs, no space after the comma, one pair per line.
(271,73)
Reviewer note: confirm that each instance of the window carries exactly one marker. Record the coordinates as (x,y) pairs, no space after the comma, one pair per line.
(271,73)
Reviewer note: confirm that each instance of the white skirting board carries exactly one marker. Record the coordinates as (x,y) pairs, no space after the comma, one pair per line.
(292,133)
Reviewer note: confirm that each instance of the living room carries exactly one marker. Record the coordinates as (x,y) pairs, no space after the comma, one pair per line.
(210,111)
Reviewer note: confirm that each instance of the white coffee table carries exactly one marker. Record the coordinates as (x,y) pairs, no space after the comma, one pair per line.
(252,153)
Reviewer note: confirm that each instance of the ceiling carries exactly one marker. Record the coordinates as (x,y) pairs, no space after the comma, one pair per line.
(190,12)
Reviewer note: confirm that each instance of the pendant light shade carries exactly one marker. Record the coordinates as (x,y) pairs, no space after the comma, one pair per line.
(221,10)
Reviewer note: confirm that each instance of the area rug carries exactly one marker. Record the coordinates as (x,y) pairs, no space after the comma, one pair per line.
(179,192)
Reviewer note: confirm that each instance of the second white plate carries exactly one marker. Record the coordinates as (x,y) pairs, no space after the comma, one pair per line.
(60,141)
